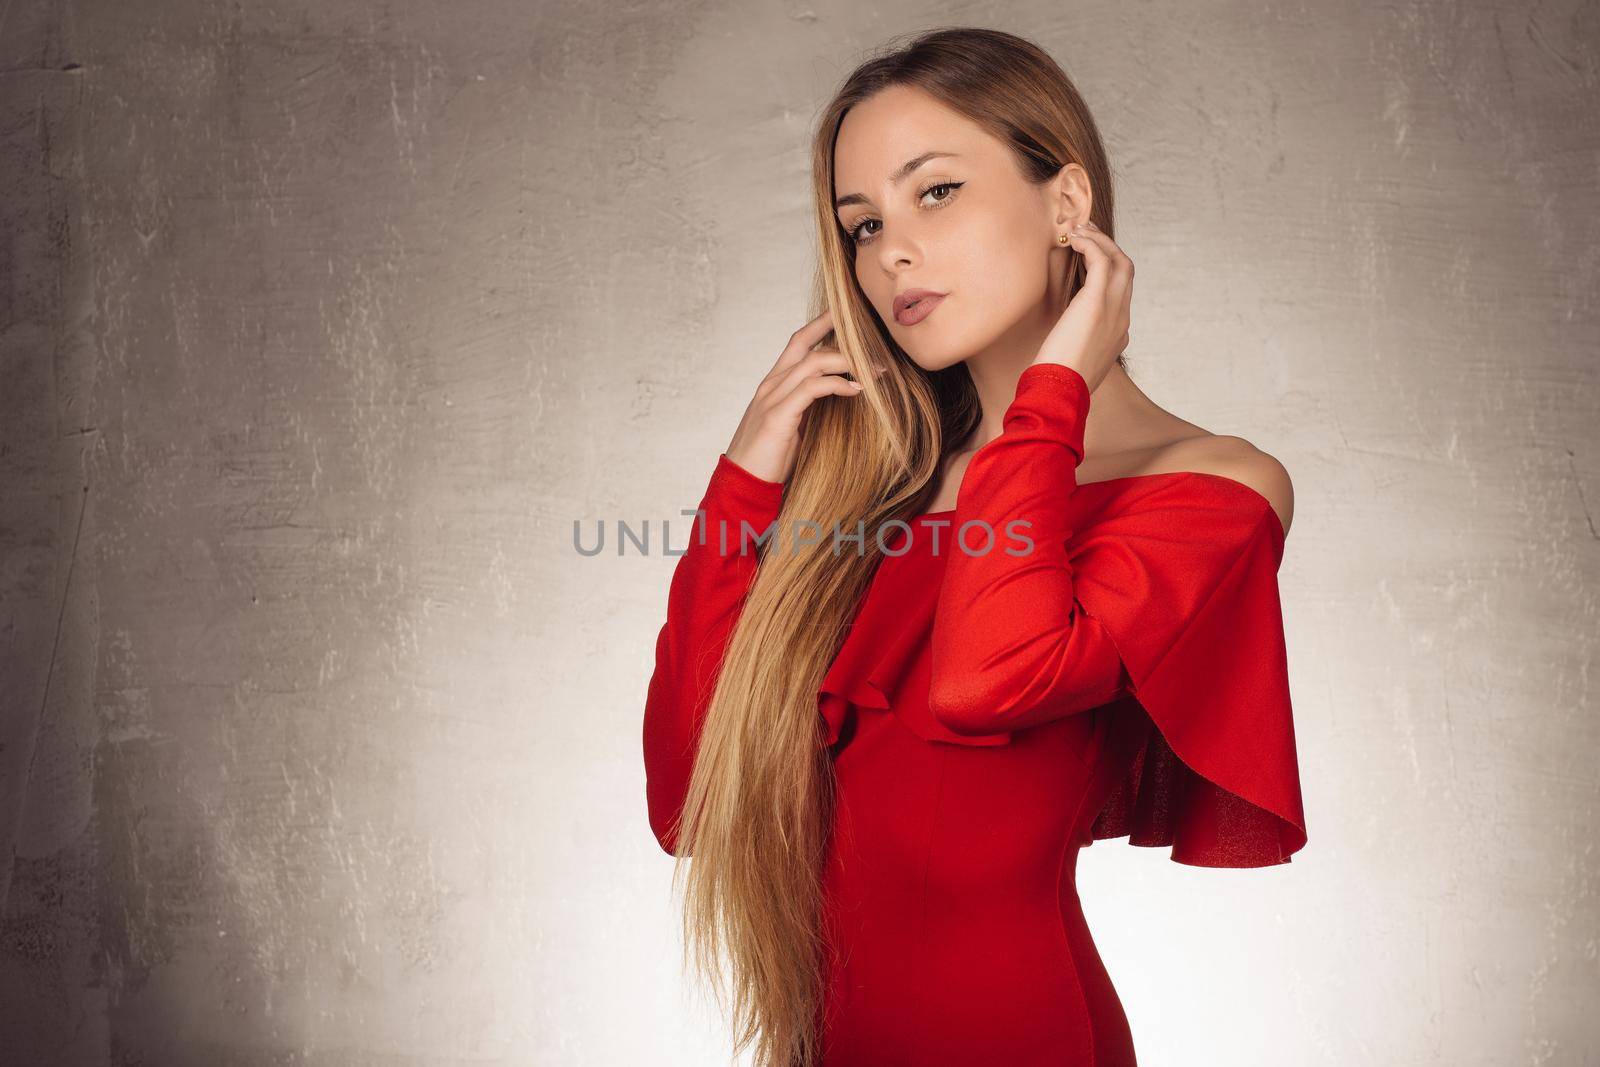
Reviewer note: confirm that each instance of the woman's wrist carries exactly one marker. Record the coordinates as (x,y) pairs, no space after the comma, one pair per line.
(1054,367)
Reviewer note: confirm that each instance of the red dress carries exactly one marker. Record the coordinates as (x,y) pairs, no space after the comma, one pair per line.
(1116,668)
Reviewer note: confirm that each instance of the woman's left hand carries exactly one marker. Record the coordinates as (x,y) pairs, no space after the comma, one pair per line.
(1093,331)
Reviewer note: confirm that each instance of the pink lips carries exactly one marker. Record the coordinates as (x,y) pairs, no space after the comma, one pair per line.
(914,305)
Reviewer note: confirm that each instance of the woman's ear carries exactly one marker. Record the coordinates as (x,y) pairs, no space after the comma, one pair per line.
(1072,198)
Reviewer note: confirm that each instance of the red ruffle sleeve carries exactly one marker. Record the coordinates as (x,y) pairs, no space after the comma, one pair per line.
(1160,588)
(709,585)
(1184,578)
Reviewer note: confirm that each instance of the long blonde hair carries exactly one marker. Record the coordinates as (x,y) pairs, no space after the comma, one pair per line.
(759,806)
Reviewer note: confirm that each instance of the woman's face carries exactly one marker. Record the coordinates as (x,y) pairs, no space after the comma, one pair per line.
(966,224)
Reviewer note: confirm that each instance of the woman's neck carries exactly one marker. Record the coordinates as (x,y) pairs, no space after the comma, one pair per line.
(1123,435)
(1123,421)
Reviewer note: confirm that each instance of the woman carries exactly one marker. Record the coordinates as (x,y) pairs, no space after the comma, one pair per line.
(884,750)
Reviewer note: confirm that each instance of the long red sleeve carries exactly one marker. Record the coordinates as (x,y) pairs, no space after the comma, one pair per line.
(704,602)
(1012,646)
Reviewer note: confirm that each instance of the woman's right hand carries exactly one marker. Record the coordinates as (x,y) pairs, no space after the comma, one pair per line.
(768,437)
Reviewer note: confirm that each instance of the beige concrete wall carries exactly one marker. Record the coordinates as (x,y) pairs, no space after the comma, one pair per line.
(321,323)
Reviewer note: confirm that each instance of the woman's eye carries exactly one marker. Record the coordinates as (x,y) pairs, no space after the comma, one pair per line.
(855,232)
(855,237)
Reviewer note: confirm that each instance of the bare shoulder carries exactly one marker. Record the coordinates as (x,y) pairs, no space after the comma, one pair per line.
(1239,460)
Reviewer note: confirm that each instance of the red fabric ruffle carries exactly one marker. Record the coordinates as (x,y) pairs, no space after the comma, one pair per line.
(1181,570)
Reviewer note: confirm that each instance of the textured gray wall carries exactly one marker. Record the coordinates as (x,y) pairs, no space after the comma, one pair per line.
(320,323)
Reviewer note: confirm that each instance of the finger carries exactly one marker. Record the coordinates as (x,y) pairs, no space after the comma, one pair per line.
(1095,247)
(817,361)
(801,396)
(1108,269)
(820,364)
(1120,260)
(781,379)
(804,339)
(1093,242)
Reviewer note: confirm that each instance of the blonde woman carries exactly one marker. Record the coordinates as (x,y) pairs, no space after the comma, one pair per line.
(1005,606)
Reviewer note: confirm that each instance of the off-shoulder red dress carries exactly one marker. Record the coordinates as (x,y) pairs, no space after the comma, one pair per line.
(1116,667)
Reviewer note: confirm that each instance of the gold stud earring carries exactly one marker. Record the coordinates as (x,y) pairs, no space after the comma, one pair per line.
(1062,238)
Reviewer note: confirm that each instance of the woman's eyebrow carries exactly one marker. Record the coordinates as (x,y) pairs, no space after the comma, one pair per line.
(896,178)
